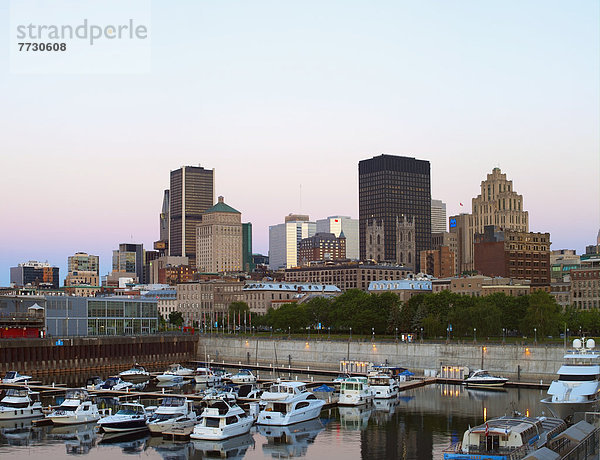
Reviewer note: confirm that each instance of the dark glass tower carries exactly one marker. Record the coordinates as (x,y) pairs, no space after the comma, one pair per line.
(391,186)
(191,193)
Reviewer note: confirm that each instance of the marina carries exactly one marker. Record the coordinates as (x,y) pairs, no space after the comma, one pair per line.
(284,427)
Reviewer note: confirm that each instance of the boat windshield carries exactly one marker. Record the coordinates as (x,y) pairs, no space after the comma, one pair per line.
(76,394)
(577,377)
(10,375)
(173,402)
(17,392)
(129,410)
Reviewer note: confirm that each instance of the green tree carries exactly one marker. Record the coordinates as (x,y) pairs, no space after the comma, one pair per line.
(543,313)
(176,318)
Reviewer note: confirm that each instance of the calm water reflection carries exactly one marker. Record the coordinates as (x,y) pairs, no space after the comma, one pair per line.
(419,425)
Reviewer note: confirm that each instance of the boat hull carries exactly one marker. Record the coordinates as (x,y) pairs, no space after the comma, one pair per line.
(297,416)
(73,419)
(219,434)
(121,427)
(15,414)
(567,409)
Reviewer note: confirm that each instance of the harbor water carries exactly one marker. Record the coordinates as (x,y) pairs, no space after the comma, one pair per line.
(418,425)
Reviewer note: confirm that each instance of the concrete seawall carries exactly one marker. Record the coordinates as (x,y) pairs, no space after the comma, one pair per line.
(532,362)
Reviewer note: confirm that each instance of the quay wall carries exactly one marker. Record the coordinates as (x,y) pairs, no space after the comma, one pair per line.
(39,357)
(524,362)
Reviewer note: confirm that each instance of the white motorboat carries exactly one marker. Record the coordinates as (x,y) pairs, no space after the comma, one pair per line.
(76,408)
(206,376)
(287,403)
(15,377)
(482,378)
(506,438)
(114,383)
(249,391)
(383,386)
(355,391)
(243,376)
(174,412)
(222,420)
(578,387)
(20,403)
(175,373)
(136,374)
(290,441)
(130,417)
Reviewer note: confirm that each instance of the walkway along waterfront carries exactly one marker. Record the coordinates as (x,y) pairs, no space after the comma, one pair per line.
(518,362)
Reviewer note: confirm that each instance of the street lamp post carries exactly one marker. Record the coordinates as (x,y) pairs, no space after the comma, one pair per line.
(350,332)
(396,335)
(474,335)
(372,334)
(535,335)
(421,335)
(329,332)
(289,332)
(503,334)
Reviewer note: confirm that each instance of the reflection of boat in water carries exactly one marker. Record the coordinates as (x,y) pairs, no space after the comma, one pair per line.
(384,409)
(291,440)
(130,443)
(170,450)
(17,432)
(355,418)
(578,387)
(483,394)
(232,448)
(79,439)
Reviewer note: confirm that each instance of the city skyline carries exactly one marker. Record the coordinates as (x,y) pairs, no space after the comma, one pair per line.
(285,122)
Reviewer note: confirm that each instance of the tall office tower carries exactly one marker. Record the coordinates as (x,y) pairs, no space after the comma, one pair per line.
(461,227)
(247,262)
(345,224)
(129,258)
(84,262)
(163,227)
(438,216)
(219,240)
(390,187)
(499,205)
(285,238)
(35,273)
(191,193)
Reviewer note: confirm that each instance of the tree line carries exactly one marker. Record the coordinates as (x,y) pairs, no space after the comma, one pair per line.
(433,315)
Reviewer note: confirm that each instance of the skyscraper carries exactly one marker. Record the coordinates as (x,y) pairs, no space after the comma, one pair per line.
(129,258)
(345,224)
(390,187)
(219,240)
(438,216)
(84,262)
(284,239)
(191,193)
(247,263)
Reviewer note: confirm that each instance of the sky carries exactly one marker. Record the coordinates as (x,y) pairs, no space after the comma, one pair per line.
(283,99)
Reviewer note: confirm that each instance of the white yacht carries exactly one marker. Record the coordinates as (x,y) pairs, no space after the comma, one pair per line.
(206,375)
(15,377)
(287,403)
(482,378)
(355,391)
(222,420)
(76,408)
(175,373)
(383,386)
(243,376)
(130,417)
(136,374)
(578,387)
(174,412)
(20,403)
